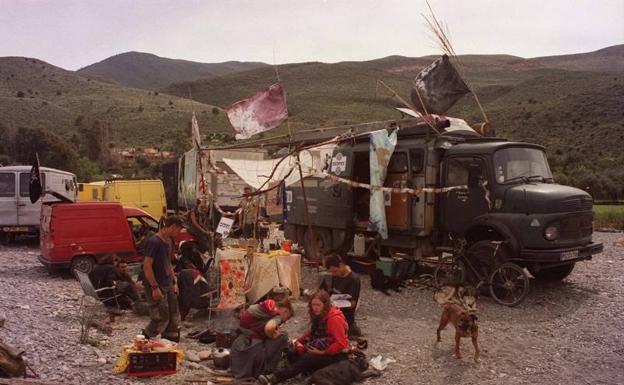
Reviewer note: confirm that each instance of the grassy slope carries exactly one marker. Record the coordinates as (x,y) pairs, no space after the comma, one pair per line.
(55,98)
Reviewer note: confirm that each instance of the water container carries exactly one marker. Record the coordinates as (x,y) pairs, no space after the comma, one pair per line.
(359,244)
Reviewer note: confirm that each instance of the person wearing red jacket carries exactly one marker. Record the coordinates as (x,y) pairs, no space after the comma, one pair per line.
(325,343)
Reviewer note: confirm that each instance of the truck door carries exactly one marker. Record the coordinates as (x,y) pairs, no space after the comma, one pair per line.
(397,204)
(459,207)
(28,213)
(8,199)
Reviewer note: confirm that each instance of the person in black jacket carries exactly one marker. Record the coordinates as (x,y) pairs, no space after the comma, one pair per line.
(343,281)
(111,272)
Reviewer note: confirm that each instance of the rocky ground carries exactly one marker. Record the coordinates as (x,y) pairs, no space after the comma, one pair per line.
(566,333)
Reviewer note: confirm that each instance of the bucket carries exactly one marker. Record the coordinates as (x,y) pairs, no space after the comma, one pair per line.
(359,244)
(287,245)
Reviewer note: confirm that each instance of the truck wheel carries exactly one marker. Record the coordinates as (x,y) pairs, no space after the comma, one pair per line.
(7,238)
(84,264)
(450,271)
(509,284)
(322,241)
(553,274)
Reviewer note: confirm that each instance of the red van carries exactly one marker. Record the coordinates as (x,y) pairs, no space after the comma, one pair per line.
(77,235)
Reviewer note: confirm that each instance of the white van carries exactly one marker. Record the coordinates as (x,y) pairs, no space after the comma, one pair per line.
(17,214)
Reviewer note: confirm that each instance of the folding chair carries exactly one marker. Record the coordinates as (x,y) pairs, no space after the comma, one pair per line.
(90,291)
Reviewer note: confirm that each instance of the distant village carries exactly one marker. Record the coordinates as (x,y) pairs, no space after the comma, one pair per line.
(131,153)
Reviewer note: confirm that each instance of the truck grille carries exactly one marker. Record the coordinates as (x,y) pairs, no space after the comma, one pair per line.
(576,204)
(576,227)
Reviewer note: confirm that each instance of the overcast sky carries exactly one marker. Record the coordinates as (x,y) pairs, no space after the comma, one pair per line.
(75,33)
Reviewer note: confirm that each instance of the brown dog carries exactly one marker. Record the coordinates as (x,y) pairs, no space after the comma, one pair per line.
(465,326)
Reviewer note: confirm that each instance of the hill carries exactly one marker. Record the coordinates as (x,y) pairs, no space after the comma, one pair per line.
(151,72)
(35,95)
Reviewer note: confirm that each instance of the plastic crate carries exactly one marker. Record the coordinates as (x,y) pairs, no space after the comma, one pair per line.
(152,364)
(388,266)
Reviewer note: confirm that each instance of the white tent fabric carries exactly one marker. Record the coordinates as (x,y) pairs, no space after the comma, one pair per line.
(255,173)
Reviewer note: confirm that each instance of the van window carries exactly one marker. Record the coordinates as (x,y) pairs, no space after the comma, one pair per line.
(25,183)
(398,163)
(7,184)
(417,160)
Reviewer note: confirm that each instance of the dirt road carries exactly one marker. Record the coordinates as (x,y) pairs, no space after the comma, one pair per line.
(566,333)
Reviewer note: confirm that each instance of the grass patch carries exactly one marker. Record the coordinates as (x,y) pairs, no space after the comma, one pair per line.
(609,216)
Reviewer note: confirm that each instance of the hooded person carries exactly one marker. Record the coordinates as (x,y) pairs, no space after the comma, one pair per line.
(259,346)
(325,343)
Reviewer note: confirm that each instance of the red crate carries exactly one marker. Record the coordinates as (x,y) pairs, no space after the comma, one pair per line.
(146,364)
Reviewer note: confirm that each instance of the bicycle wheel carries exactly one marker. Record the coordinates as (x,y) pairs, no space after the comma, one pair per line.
(509,284)
(450,271)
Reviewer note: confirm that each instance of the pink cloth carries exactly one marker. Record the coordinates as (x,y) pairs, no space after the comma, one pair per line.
(265,110)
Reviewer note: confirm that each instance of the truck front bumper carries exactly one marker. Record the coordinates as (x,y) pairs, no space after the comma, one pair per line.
(571,254)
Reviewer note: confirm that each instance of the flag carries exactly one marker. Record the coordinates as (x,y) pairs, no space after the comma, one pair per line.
(439,86)
(195,132)
(35,187)
(263,111)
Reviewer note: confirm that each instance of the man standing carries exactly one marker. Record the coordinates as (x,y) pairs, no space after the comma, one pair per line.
(343,281)
(249,211)
(161,286)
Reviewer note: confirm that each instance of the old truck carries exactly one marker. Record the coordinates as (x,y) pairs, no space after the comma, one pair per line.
(510,199)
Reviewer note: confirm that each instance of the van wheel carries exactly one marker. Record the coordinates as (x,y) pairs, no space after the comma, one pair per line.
(84,264)
(553,274)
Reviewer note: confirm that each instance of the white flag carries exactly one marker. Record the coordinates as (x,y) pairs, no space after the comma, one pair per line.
(195,132)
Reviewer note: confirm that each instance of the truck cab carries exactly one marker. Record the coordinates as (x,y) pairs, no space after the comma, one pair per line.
(511,195)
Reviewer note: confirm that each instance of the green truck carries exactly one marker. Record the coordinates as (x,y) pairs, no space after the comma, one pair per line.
(509,210)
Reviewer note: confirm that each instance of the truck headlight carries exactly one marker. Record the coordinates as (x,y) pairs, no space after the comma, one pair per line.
(551,233)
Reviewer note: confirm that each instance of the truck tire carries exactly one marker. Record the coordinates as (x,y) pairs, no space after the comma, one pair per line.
(553,274)
(83,263)
(323,241)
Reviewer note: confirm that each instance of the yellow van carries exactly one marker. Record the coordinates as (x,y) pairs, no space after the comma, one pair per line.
(88,192)
(146,194)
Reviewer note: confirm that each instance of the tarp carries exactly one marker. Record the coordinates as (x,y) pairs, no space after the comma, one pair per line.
(274,269)
(255,173)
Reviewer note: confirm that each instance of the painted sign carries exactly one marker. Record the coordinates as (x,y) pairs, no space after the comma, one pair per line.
(338,164)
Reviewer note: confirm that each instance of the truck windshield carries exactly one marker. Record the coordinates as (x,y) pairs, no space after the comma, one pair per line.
(521,164)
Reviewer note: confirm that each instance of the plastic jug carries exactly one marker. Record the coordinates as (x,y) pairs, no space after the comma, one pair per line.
(359,244)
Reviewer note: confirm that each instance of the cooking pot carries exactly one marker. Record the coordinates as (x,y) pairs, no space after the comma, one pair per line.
(225,339)
(221,358)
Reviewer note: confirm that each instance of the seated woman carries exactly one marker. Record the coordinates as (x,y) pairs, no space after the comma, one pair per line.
(324,344)
(258,349)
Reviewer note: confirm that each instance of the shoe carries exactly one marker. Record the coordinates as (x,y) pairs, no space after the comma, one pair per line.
(267,379)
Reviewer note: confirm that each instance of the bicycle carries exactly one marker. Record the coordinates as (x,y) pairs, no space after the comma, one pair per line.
(508,283)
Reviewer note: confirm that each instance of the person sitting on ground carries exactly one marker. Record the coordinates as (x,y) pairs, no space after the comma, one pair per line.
(200,225)
(343,281)
(259,346)
(111,273)
(324,344)
(194,286)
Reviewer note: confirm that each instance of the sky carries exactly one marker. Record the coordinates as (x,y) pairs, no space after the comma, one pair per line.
(75,33)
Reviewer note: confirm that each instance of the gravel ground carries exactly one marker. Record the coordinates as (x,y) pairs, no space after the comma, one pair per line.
(566,333)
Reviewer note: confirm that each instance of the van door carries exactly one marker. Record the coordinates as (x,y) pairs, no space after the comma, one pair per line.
(8,198)
(153,198)
(398,204)
(28,214)
(460,207)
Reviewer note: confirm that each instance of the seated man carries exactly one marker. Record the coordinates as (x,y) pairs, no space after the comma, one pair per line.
(343,281)
(258,349)
(195,282)
(111,272)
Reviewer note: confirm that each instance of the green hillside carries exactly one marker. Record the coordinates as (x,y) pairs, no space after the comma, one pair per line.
(151,72)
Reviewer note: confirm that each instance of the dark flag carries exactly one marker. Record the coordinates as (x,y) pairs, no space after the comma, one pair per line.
(35,186)
(439,86)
